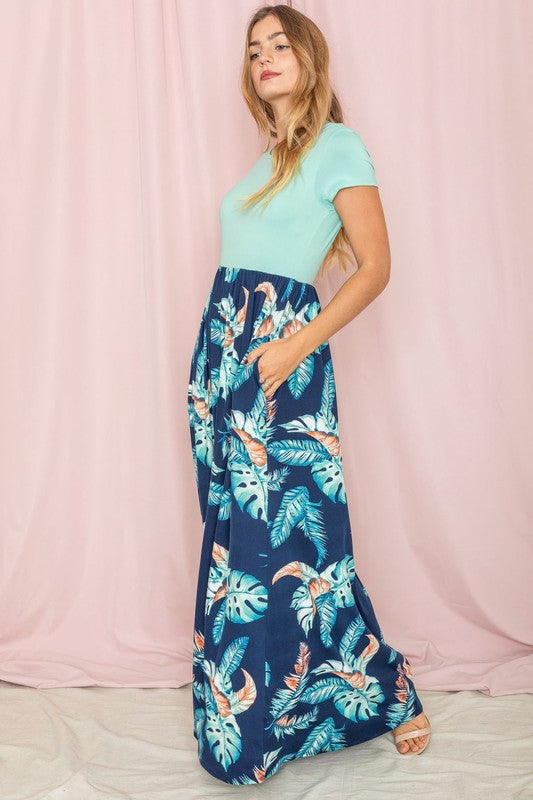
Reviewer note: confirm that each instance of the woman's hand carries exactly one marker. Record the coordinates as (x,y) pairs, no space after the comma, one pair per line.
(279,358)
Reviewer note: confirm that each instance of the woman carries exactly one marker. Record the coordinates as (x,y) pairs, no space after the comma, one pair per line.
(289,659)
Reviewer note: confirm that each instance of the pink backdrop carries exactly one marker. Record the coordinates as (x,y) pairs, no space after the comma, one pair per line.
(122,126)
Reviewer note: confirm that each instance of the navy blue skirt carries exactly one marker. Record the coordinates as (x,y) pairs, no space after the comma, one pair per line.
(288,657)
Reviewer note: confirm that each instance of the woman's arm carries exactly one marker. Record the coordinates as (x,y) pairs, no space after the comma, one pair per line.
(361,212)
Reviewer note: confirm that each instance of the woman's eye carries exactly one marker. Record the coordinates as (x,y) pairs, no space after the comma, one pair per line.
(253,55)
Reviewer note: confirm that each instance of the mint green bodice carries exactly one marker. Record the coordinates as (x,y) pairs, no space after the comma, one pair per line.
(293,233)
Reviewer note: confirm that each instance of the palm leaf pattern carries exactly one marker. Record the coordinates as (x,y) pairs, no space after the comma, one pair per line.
(285,700)
(320,594)
(297,510)
(289,659)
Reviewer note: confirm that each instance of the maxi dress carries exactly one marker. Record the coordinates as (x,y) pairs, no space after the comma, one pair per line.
(289,659)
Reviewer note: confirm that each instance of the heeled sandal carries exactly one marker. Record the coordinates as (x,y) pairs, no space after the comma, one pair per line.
(401,737)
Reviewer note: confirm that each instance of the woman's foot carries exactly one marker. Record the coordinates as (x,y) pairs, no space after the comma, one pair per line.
(417,742)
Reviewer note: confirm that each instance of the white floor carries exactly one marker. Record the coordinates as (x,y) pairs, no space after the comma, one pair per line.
(137,744)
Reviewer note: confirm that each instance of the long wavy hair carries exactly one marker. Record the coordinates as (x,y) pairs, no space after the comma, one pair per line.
(314,103)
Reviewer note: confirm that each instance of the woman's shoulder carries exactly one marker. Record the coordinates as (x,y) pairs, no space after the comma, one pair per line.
(339,142)
(339,132)
(342,159)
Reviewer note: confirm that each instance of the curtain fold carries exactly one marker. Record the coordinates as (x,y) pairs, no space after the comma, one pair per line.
(122,128)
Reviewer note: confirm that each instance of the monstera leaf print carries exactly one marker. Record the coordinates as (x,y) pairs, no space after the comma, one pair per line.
(247,462)
(223,703)
(246,597)
(248,487)
(243,597)
(198,727)
(340,576)
(329,479)
(223,733)
(273,503)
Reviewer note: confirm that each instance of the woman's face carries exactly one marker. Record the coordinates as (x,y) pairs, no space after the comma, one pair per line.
(270,51)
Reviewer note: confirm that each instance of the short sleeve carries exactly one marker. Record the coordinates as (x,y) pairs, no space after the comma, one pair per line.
(344,161)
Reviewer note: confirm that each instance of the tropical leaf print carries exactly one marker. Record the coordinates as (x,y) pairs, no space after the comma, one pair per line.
(248,486)
(276,478)
(218,496)
(393,654)
(299,453)
(201,418)
(284,700)
(223,703)
(250,431)
(247,459)
(233,655)
(350,639)
(246,597)
(322,453)
(260,773)
(340,575)
(351,667)
(354,693)
(327,398)
(222,733)
(199,718)
(327,614)
(243,597)
(323,738)
(320,593)
(297,511)
(224,332)
(301,377)
(198,686)
(218,574)
(273,502)
(404,709)
(355,703)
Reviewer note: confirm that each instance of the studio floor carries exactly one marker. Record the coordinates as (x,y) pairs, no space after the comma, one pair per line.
(100,743)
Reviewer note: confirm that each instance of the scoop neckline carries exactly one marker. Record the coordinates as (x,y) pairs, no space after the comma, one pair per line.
(269,152)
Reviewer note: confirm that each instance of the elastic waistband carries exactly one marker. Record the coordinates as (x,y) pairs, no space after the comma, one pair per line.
(257,275)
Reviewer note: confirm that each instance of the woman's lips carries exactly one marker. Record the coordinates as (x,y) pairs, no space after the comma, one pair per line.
(270,75)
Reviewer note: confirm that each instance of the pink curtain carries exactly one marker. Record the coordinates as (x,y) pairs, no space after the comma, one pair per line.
(122,126)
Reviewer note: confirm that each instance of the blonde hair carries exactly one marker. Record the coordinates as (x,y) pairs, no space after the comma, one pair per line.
(314,104)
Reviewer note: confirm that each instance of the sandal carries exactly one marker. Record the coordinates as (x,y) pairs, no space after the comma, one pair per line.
(400,737)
